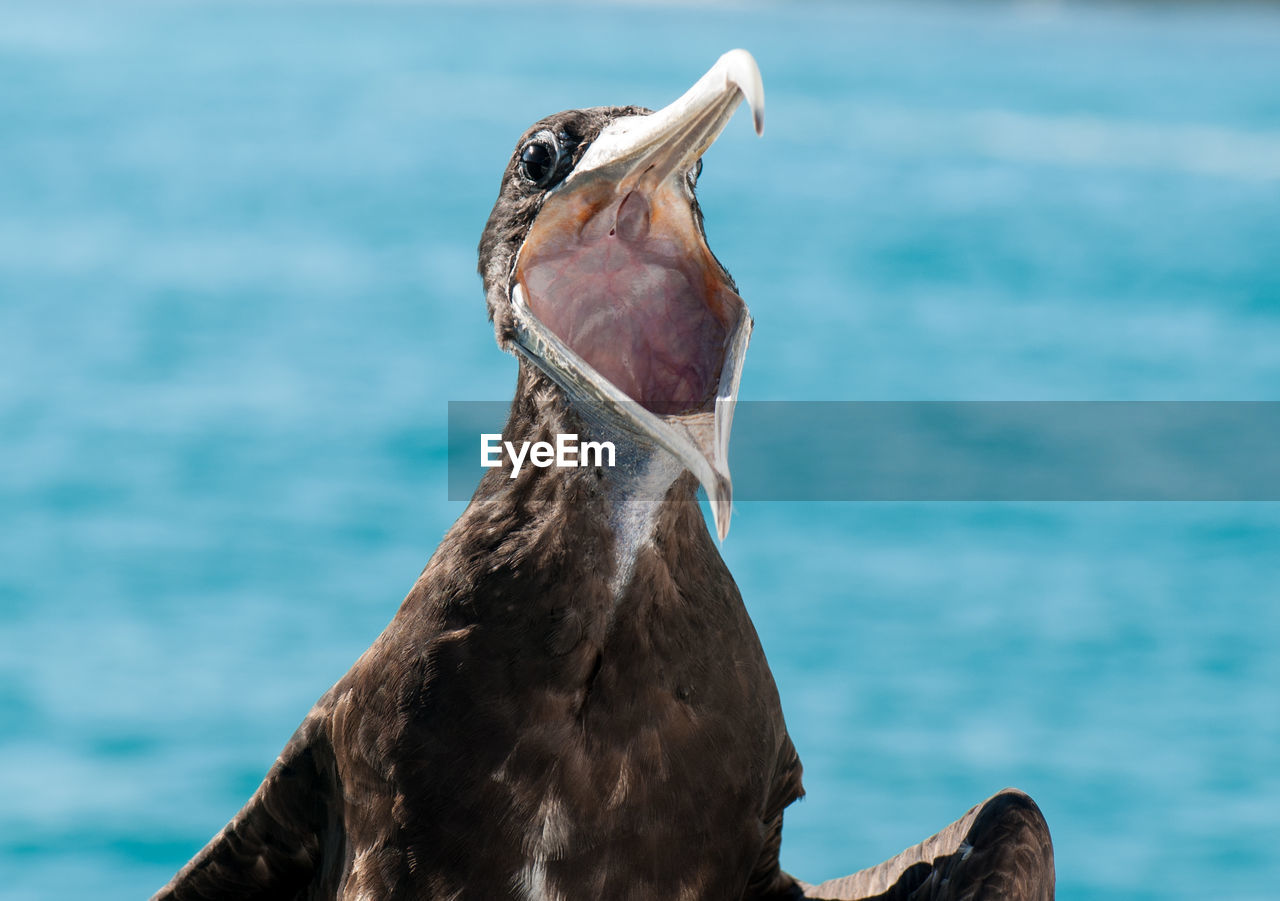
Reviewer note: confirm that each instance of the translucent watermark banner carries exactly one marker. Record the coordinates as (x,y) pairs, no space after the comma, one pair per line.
(947,451)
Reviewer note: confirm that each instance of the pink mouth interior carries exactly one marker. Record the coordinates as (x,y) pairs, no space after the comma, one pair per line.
(647,311)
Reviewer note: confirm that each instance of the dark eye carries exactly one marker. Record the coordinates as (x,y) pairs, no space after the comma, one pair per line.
(540,159)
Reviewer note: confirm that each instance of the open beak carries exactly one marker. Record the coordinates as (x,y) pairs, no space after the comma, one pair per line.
(618,298)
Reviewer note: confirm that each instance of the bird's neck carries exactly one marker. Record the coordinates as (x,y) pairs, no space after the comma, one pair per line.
(635,495)
(609,514)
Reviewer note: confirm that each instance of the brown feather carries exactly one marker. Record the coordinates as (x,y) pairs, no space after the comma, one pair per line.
(999,851)
(526,728)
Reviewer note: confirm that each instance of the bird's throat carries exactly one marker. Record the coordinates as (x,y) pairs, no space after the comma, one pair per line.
(626,281)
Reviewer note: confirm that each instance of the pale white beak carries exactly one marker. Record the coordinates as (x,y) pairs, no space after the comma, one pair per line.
(653,153)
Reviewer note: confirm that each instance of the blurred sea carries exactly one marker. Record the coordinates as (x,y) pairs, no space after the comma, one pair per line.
(237,291)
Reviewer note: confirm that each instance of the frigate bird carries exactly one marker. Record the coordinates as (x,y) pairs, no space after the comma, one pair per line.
(572,701)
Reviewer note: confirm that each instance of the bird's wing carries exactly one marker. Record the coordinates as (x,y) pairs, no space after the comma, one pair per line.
(767,879)
(276,845)
(998,850)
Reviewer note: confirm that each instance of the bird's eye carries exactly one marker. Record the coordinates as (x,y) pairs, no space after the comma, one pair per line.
(540,159)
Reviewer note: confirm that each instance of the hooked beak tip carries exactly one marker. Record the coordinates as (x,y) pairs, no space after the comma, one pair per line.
(741,71)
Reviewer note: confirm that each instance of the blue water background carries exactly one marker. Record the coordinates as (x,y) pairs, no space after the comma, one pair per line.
(237,291)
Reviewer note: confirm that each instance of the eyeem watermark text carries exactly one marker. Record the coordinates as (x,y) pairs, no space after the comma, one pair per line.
(566,452)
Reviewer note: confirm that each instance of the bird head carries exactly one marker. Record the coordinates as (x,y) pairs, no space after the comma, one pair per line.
(598,274)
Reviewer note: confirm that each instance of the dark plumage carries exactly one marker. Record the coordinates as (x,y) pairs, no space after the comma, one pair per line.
(572,701)
(518,204)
